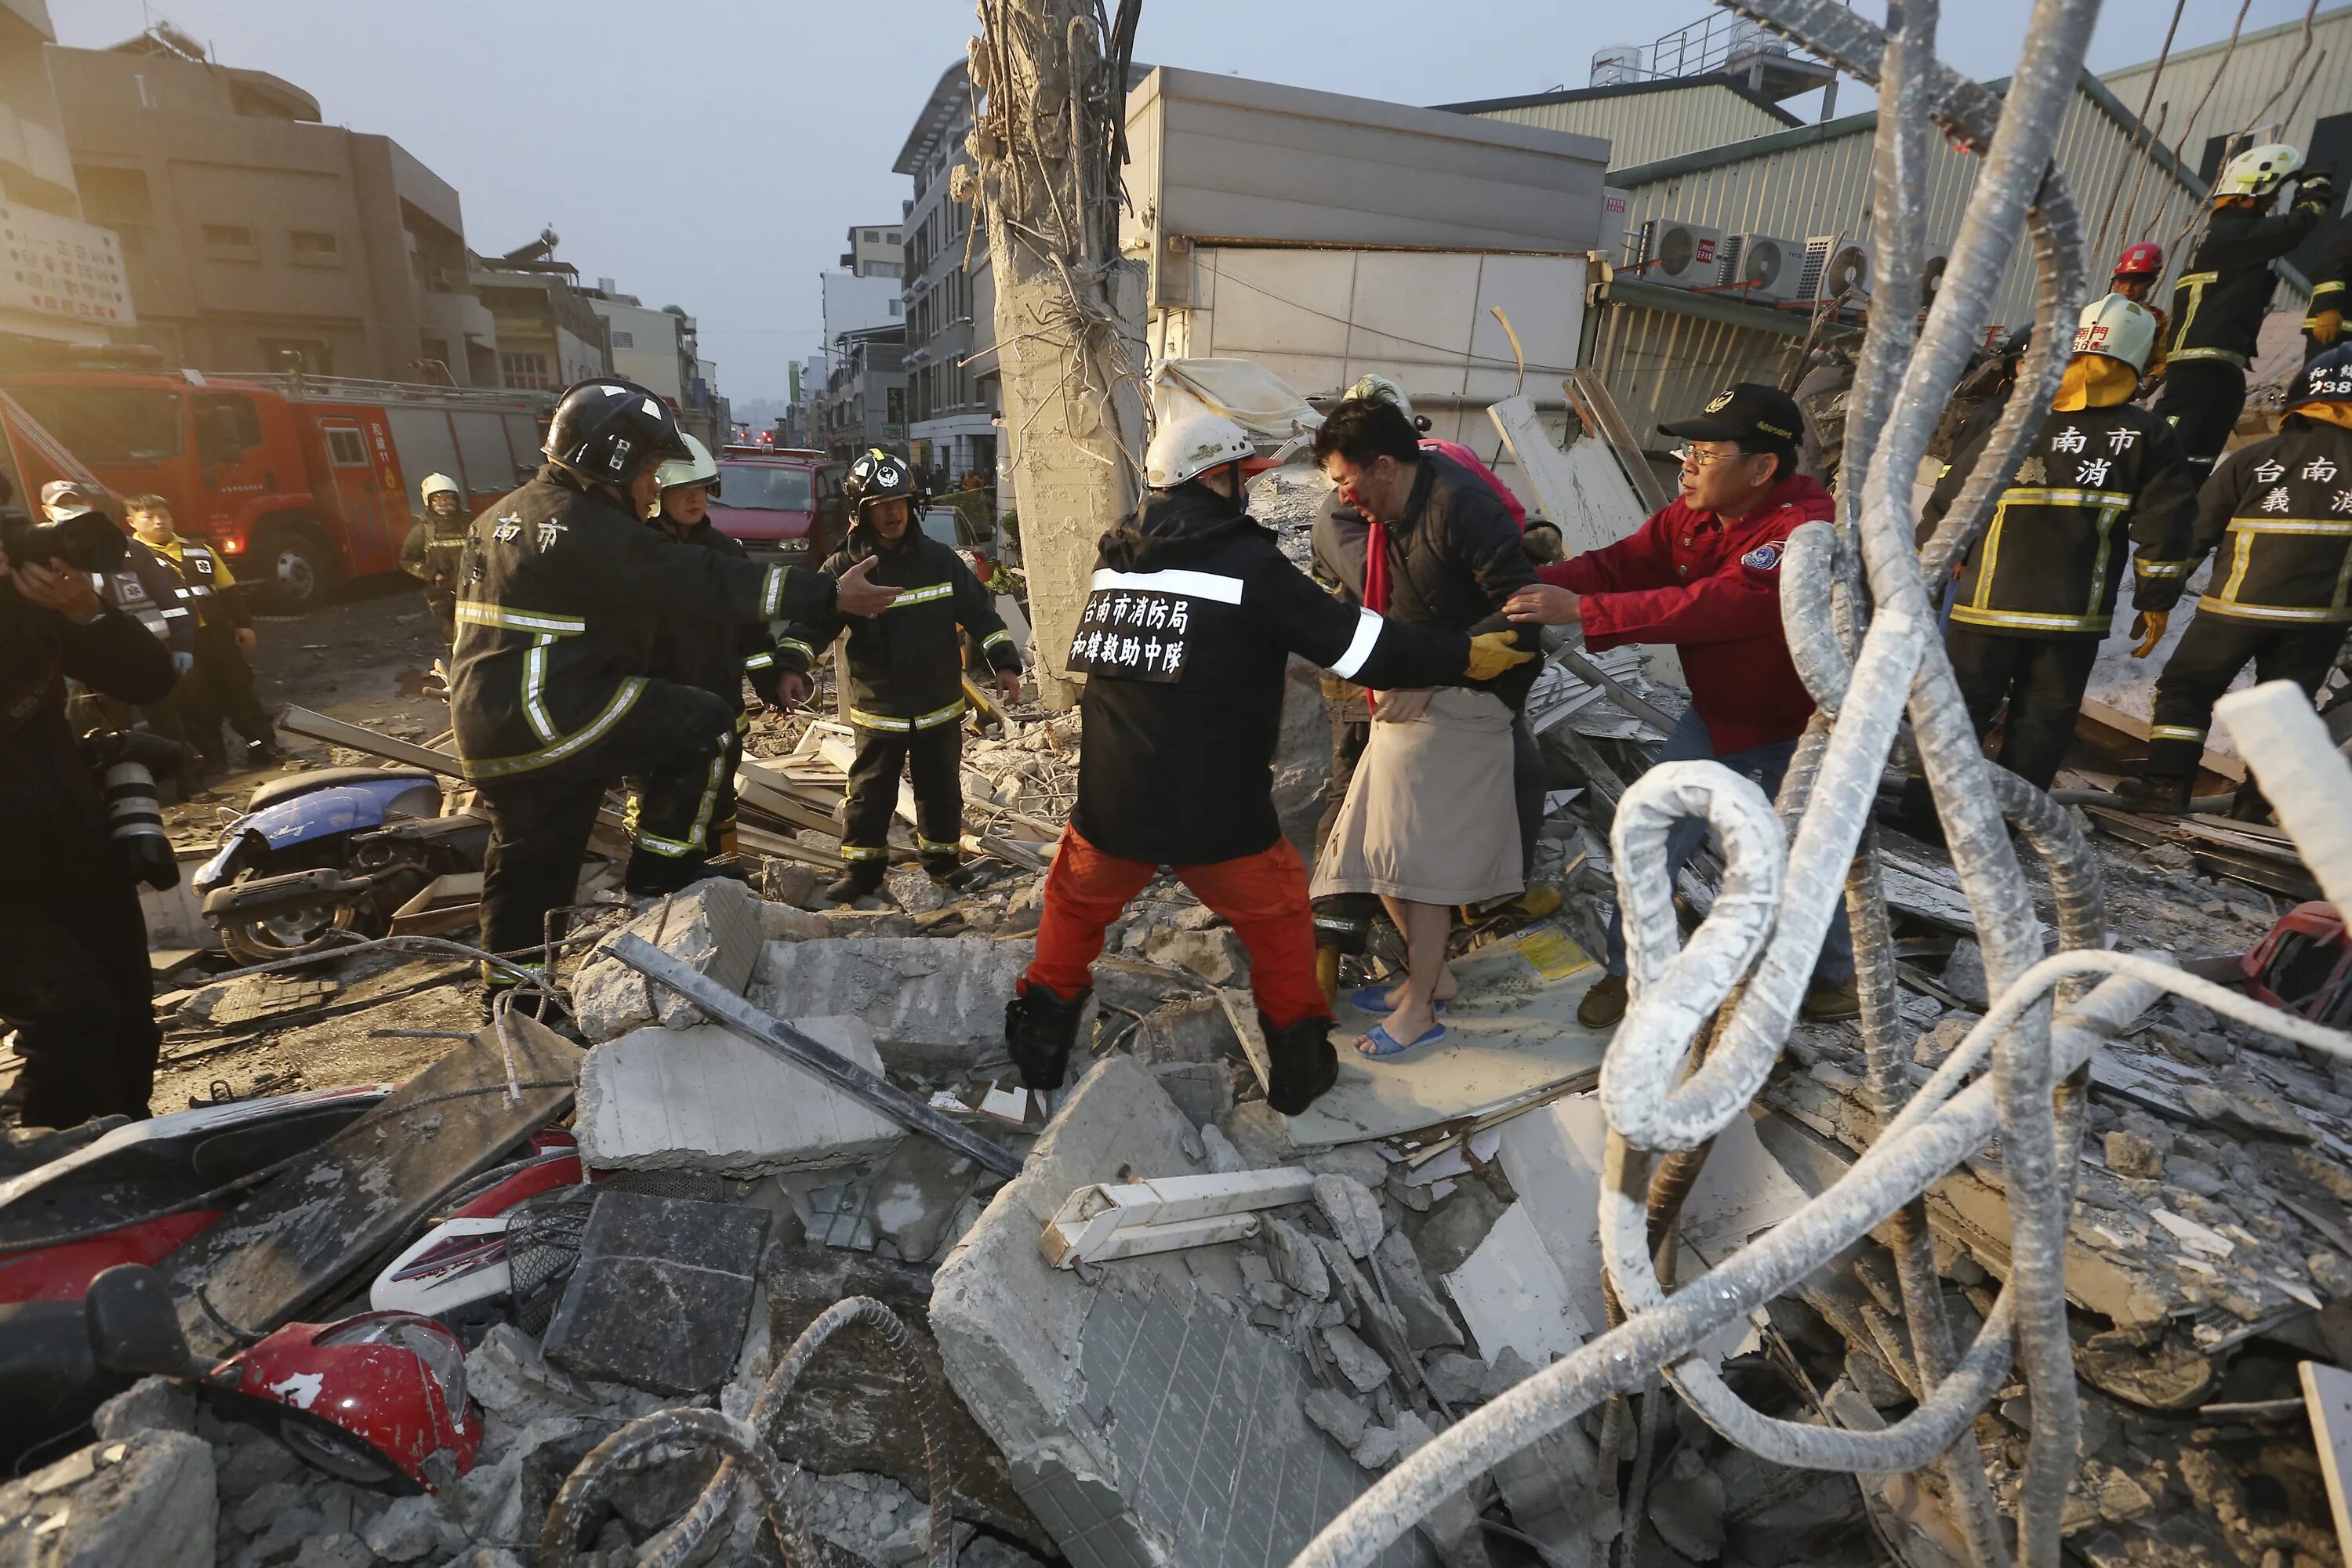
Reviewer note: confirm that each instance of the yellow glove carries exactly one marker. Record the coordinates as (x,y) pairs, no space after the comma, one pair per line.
(1491,653)
(2148,627)
(2326,328)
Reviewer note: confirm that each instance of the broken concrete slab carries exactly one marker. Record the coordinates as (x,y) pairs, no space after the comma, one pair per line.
(702,1098)
(914,1195)
(1185,1029)
(1342,1419)
(1512,1295)
(149,1405)
(1216,955)
(661,1293)
(714,927)
(933,1006)
(1352,1211)
(148,1498)
(1107,1396)
(1427,1325)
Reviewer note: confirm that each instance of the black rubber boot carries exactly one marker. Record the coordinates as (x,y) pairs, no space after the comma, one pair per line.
(1300,1062)
(862,878)
(658,876)
(949,873)
(2154,796)
(1040,1028)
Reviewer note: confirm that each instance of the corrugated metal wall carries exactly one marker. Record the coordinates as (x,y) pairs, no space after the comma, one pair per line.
(2256,69)
(1644,127)
(1662,365)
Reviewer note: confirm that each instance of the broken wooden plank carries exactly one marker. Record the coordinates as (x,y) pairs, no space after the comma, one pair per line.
(1595,404)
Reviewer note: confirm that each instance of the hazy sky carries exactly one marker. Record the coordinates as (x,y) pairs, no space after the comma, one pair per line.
(710,153)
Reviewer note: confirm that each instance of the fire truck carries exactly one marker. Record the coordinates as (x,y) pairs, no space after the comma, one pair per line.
(302,482)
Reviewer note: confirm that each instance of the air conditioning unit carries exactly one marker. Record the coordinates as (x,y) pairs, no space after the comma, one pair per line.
(1833,268)
(1681,255)
(1931,279)
(1764,268)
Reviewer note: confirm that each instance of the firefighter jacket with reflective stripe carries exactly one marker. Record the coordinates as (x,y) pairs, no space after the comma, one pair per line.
(711,654)
(560,609)
(2219,304)
(2278,515)
(1185,641)
(2096,485)
(436,547)
(142,588)
(905,665)
(2328,284)
(205,582)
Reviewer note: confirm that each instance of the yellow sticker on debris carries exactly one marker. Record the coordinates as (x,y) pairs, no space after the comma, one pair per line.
(1552,951)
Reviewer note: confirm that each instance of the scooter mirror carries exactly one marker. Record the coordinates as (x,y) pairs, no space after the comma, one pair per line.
(133,1326)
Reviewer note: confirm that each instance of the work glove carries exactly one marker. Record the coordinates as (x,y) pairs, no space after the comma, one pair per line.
(1491,653)
(2326,328)
(2148,627)
(182,662)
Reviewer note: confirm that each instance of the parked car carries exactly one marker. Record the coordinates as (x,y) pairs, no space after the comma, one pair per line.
(976,542)
(778,503)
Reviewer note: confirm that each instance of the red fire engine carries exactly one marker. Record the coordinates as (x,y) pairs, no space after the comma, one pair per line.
(302,480)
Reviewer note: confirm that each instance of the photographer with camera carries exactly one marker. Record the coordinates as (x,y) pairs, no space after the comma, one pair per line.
(76,984)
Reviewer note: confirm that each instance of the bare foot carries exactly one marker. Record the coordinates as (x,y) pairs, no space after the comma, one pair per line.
(1446,989)
(1404,1026)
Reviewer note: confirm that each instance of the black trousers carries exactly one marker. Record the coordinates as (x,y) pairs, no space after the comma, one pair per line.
(2203,399)
(2211,652)
(2042,680)
(674,745)
(218,691)
(932,759)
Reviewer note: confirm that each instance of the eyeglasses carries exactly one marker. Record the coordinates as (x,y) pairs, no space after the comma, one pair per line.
(1690,456)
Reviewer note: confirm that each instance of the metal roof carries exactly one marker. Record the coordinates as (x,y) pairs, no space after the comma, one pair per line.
(1737,85)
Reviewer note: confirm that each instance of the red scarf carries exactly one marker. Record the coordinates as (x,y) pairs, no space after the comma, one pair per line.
(1376,585)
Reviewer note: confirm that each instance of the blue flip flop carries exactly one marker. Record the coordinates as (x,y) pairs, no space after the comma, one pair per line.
(1375,999)
(1385,1046)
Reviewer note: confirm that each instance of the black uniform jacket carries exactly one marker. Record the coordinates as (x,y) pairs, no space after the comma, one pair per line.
(206,584)
(2219,302)
(1453,559)
(2279,513)
(1193,615)
(706,652)
(436,547)
(50,808)
(2094,485)
(561,603)
(905,665)
(2328,283)
(144,588)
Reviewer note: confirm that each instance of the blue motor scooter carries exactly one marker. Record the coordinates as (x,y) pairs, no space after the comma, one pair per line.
(319,854)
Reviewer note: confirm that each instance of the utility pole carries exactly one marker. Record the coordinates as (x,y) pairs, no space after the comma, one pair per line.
(1047,141)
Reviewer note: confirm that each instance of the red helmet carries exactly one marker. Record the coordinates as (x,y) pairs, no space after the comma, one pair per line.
(2141,260)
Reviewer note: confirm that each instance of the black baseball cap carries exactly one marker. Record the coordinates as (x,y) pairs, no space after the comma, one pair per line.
(1745,411)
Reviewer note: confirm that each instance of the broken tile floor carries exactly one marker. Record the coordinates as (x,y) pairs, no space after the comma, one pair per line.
(1215,1404)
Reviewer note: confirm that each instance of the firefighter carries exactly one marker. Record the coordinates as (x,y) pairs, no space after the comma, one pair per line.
(560,599)
(2219,304)
(714,655)
(2038,590)
(436,547)
(2138,272)
(1193,615)
(905,674)
(2279,593)
(2322,324)
(220,690)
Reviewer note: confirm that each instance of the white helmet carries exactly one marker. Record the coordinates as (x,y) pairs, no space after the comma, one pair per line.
(697,470)
(437,485)
(2258,171)
(2118,327)
(1380,389)
(1190,444)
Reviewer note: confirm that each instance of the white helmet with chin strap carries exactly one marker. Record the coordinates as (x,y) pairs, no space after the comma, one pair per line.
(2258,171)
(2119,329)
(698,467)
(1190,444)
(439,485)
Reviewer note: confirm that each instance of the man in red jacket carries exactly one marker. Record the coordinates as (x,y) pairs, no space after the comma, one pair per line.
(1705,576)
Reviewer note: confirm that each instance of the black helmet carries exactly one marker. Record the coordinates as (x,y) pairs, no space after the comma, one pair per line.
(2327,379)
(878,476)
(605,431)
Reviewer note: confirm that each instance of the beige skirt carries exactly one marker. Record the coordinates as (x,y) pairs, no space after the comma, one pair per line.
(1430,814)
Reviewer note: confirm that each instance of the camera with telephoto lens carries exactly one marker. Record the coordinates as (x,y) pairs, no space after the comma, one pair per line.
(126,762)
(89,542)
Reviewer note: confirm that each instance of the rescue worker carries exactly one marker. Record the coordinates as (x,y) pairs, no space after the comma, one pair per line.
(2138,272)
(905,674)
(2037,591)
(2323,323)
(143,588)
(715,654)
(2219,304)
(564,588)
(220,687)
(2279,596)
(1703,574)
(435,548)
(1184,639)
(76,982)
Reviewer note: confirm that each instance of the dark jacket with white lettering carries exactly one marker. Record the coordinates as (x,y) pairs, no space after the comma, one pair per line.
(905,665)
(561,606)
(206,584)
(2050,560)
(2219,302)
(148,591)
(713,653)
(1181,772)
(2279,513)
